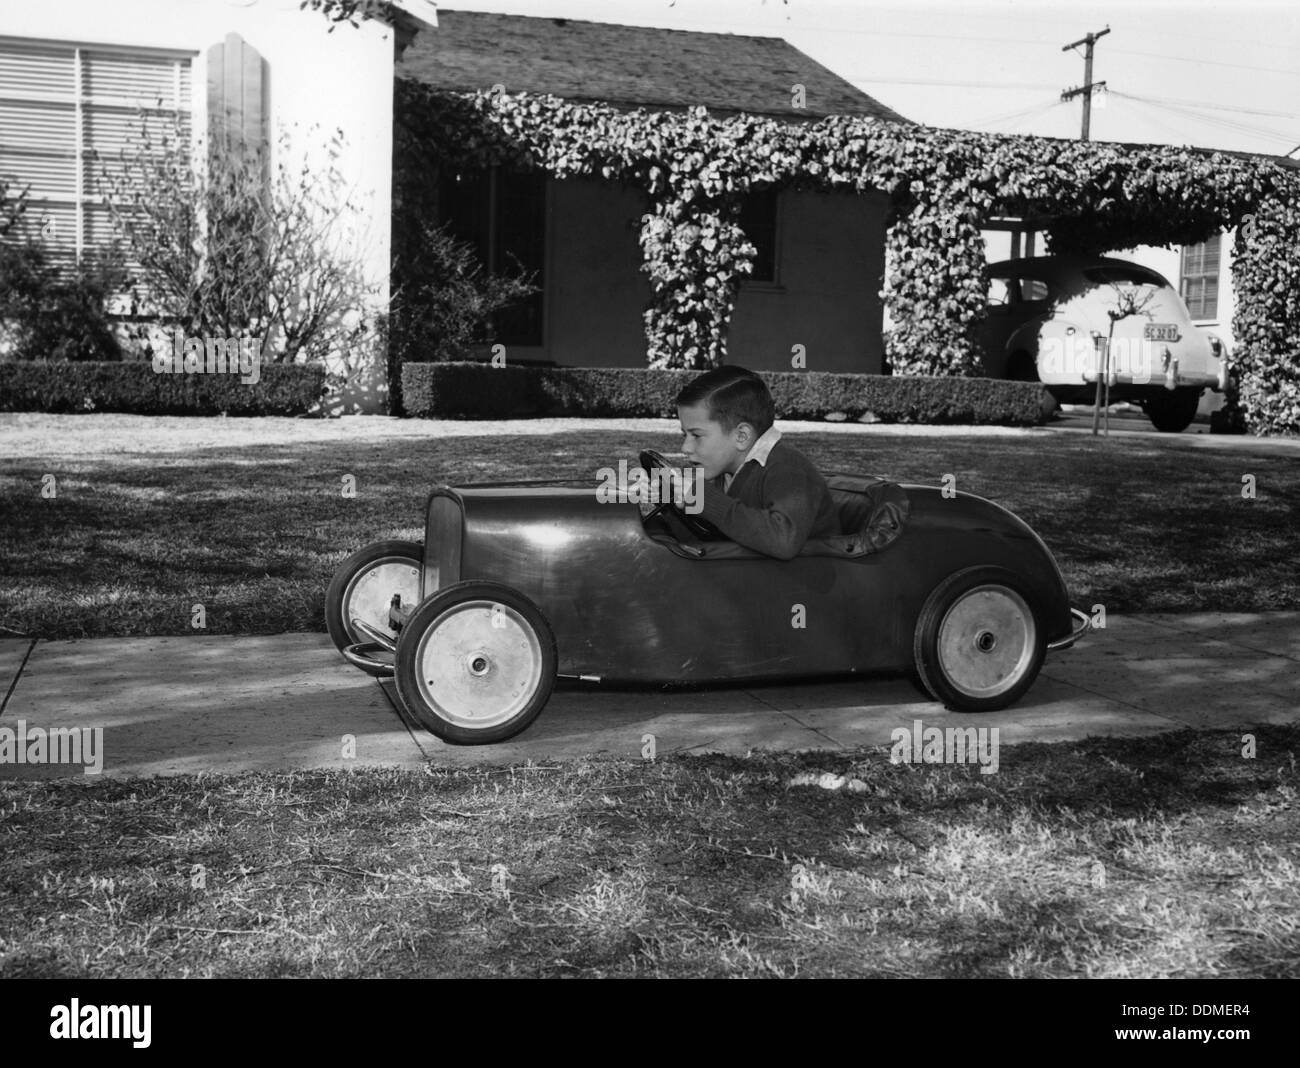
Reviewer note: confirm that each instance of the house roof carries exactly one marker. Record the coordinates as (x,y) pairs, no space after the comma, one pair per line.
(629,66)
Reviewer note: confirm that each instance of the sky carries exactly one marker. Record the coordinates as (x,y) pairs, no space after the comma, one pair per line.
(1192,72)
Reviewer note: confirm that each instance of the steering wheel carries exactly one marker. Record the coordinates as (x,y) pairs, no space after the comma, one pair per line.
(701,528)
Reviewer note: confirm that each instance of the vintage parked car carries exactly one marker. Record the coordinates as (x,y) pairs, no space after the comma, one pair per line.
(1046,314)
(518,584)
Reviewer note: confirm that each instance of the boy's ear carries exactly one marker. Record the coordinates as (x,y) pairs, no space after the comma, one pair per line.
(744,435)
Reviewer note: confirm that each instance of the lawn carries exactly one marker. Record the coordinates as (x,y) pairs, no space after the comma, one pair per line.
(1165,856)
(247,517)
(1171,855)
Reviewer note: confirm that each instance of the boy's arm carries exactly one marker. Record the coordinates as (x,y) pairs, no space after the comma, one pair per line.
(779,527)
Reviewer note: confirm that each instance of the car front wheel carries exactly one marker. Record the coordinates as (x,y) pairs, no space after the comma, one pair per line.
(476,663)
(1172,411)
(978,644)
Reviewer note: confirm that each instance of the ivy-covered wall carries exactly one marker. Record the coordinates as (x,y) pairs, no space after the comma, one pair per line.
(944,185)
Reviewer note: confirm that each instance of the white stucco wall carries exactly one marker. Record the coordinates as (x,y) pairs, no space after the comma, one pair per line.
(317,81)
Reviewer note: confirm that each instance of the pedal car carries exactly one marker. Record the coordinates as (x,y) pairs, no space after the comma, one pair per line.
(519,584)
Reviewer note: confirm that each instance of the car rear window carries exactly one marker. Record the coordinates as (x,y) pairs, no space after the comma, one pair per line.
(1111,276)
(1015,290)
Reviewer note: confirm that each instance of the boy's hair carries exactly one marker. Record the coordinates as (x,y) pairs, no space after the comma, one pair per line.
(733,396)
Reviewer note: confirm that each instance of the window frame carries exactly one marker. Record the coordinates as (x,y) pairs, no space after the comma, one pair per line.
(485,236)
(755,280)
(1195,273)
(83,154)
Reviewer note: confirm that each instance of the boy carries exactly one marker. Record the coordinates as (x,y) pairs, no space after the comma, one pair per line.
(760,491)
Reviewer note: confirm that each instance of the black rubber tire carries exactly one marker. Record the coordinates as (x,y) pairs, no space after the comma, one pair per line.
(340,630)
(1172,411)
(925,643)
(426,616)
(1022,367)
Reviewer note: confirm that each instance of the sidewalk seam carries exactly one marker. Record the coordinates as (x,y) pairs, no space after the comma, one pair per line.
(1226,641)
(17,675)
(791,716)
(1122,701)
(402,718)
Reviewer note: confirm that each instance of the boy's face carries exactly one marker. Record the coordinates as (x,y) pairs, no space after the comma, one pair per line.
(706,444)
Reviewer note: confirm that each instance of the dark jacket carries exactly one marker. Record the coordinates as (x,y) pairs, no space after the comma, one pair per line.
(773,509)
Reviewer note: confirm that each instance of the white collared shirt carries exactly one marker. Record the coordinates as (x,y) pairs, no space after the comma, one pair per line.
(758,451)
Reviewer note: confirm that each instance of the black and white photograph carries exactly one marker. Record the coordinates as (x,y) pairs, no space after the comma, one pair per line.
(649,489)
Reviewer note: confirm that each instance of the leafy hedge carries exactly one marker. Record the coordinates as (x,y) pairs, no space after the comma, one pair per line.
(283,389)
(481,391)
(944,186)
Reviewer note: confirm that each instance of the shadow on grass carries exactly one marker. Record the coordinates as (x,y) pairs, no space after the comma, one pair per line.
(1155,856)
(130,543)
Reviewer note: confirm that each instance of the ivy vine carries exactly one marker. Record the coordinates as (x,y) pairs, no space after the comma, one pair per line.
(944,185)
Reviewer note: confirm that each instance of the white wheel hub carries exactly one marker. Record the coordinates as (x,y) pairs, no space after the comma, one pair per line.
(478,664)
(371,592)
(986,641)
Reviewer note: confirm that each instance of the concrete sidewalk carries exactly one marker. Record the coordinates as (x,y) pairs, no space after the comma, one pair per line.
(229,704)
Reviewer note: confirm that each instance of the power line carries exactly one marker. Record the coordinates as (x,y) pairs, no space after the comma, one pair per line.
(1207,62)
(1228,125)
(961,84)
(1207,104)
(1023,113)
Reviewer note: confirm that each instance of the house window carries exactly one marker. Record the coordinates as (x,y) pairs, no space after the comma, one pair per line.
(1200,278)
(66,113)
(758,220)
(501,214)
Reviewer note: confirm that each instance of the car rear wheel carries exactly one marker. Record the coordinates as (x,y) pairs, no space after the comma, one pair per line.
(476,663)
(979,643)
(363,588)
(1172,411)
(1022,367)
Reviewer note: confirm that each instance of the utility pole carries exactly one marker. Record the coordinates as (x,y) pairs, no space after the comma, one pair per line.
(1088,86)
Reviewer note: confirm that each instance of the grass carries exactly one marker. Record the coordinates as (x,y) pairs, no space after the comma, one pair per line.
(1166,856)
(254,526)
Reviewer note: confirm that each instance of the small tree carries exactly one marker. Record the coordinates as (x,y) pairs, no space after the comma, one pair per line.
(1128,303)
(242,246)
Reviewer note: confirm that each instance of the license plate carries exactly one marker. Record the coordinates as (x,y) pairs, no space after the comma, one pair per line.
(1160,331)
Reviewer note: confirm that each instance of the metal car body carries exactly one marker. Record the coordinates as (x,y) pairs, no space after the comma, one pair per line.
(626,594)
(631,603)
(1060,319)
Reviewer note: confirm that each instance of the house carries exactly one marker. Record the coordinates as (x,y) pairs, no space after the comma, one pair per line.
(820,263)
(74,76)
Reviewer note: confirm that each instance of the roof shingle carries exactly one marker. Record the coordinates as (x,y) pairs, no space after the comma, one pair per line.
(629,66)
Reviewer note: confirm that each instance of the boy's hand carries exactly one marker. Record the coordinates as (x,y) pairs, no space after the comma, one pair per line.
(675,480)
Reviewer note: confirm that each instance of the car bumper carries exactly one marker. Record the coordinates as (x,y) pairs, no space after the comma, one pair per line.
(1175,380)
(1081,624)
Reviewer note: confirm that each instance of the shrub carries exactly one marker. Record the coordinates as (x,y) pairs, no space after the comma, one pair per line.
(444,301)
(283,389)
(481,391)
(54,311)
